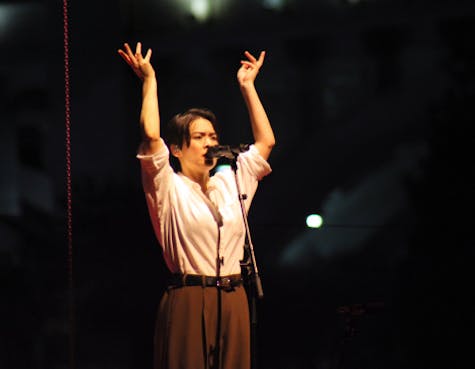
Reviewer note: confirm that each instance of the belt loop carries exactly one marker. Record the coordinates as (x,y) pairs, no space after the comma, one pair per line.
(183,279)
(203,281)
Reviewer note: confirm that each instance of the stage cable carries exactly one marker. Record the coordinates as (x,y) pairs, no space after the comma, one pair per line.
(69,212)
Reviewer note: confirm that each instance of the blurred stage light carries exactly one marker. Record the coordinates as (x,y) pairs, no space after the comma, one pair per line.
(273,4)
(200,9)
(9,16)
(20,20)
(314,221)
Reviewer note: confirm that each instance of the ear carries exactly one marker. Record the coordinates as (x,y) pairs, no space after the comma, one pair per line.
(176,151)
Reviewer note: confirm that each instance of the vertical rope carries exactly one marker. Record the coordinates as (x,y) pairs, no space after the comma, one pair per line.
(67,107)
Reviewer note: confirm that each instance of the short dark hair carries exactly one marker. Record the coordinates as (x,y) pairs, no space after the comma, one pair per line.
(178,128)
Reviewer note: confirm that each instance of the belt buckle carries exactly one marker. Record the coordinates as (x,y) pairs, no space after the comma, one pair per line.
(224,283)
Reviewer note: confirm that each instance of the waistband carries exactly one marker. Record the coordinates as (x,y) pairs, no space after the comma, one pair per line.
(227,282)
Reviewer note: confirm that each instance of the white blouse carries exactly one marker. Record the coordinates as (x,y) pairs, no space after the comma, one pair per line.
(194,228)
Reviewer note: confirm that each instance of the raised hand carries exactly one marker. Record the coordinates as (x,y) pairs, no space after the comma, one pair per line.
(249,68)
(139,64)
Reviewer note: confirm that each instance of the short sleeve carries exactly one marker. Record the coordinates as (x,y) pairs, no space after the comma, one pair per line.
(252,168)
(157,177)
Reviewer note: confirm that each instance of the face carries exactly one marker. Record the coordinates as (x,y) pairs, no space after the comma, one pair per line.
(202,136)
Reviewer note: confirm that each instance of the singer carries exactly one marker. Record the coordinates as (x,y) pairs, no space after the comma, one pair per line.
(203,316)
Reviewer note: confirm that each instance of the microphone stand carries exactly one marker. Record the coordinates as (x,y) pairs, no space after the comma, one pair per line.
(248,265)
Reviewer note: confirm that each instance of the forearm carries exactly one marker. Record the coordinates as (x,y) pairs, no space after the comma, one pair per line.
(260,124)
(149,116)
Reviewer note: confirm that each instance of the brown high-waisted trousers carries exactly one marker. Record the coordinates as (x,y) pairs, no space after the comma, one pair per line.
(189,335)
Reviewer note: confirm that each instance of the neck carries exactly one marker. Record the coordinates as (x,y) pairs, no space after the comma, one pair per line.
(201,178)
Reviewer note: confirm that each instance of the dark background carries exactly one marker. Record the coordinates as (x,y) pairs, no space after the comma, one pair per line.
(372,103)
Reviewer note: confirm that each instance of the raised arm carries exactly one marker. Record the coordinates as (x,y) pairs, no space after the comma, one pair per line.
(261,128)
(149,114)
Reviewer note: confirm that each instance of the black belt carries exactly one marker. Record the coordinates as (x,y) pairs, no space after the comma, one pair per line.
(227,282)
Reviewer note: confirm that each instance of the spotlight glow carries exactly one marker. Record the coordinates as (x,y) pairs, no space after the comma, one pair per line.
(200,9)
(314,221)
(273,4)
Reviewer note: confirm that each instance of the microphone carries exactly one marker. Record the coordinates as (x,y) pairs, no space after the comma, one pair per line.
(226,151)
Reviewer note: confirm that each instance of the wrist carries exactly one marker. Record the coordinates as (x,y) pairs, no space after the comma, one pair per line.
(149,76)
(246,85)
